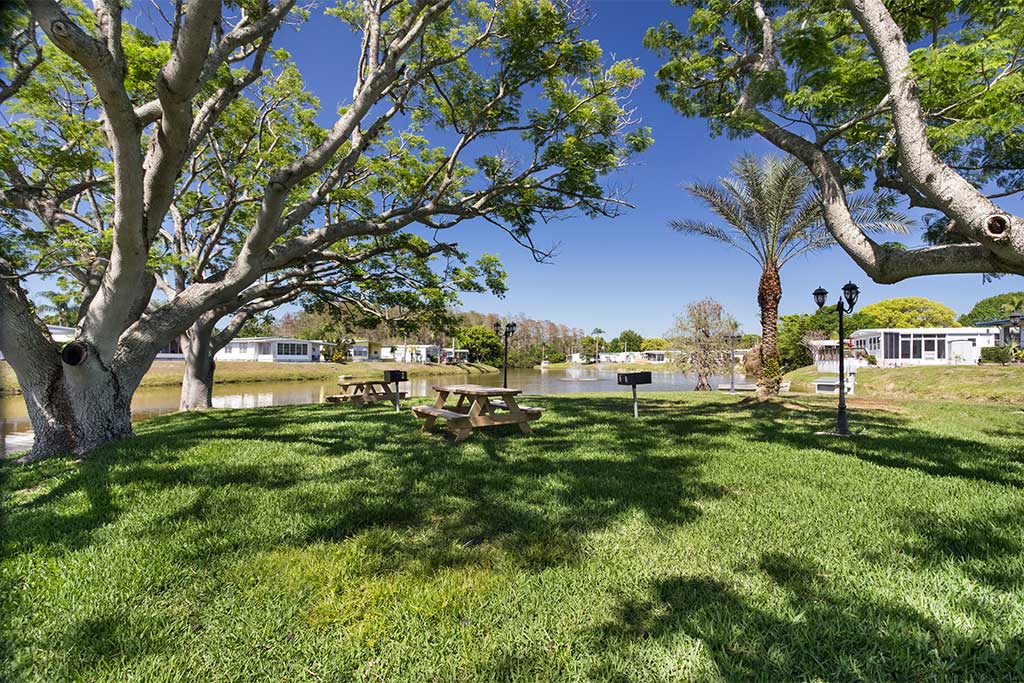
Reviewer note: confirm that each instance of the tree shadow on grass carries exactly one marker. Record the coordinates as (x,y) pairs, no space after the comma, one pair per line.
(588,463)
(987,547)
(882,438)
(530,499)
(47,526)
(419,503)
(115,636)
(821,632)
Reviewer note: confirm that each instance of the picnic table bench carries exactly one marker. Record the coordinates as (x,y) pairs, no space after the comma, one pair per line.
(365,391)
(475,409)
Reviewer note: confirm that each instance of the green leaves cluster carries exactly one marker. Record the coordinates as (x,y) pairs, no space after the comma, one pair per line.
(966,56)
(996,307)
(483,345)
(911,311)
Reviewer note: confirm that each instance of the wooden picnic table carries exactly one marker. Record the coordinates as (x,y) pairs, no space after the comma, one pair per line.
(476,408)
(365,391)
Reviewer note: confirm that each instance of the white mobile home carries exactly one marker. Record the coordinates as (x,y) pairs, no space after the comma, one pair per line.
(268,349)
(272,350)
(621,356)
(411,353)
(364,351)
(454,355)
(893,347)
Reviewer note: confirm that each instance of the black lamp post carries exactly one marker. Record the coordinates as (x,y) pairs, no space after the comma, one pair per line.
(850,294)
(733,338)
(510,329)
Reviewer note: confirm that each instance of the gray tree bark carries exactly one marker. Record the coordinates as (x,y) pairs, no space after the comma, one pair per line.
(197,382)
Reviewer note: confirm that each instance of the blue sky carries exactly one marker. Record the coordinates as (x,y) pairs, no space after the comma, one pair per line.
(632,271)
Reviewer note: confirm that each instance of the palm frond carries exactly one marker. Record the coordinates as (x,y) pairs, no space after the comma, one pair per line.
(722,203)
(750,213)
(711,230)
(871,216)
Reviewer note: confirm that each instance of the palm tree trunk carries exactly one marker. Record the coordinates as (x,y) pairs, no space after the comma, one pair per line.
(769,293)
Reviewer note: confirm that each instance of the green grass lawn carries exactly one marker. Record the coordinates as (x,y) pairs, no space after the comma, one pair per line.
(708,540)
(1004,384)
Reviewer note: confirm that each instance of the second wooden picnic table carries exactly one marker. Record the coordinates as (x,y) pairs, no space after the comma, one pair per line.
(365,391)
(476,408)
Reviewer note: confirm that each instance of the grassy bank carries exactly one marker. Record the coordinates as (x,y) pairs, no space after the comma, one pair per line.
(168,373)
(930,382)
(709,540)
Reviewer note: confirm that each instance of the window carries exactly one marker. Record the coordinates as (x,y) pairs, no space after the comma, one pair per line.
(917,348)
(892,342)
(929,345)
(172,347)
(292,349)
(941,348)
(904,348)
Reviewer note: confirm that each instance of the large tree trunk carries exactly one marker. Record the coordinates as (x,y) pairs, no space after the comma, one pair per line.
(769,293)
(76,402)
(75,407)
(197,384)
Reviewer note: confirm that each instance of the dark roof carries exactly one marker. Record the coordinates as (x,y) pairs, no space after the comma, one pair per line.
(994,323)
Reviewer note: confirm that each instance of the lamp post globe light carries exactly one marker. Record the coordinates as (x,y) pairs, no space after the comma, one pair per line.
(510,329)
(850,294)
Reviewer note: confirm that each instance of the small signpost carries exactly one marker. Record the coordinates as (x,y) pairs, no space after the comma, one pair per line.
(632,379)
(396,376)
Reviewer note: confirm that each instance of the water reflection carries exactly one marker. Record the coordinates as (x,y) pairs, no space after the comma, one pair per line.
(151,401)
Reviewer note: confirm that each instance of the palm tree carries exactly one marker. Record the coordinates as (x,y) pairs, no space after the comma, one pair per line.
(772,214)
(1014,304)
(596,334)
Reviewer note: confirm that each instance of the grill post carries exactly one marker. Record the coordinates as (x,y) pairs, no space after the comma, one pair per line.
(632,379)
(396,376)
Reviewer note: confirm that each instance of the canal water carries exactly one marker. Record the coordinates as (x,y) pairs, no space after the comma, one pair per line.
(151,401)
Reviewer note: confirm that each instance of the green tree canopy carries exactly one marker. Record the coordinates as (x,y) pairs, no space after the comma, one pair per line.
(628,340)
(993,308)
(911,311)
(259,325)
(918,97)
(483,345)
(654,344)
(592,344)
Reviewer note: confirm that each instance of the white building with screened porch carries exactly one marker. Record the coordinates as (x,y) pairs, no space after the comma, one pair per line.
(894,347)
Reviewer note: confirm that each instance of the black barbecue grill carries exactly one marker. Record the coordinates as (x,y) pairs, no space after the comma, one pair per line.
(632,379)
